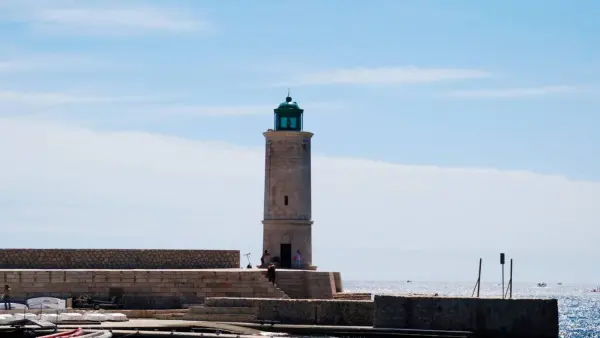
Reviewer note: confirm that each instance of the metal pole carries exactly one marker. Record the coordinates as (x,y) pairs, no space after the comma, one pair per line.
(502,281)
(479,277)
(511,278)
(502,263)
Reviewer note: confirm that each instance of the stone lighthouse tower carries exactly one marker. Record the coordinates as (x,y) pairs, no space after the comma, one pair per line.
(287,224)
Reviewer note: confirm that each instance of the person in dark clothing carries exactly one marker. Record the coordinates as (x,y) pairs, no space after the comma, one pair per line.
(6,297)
(271,273)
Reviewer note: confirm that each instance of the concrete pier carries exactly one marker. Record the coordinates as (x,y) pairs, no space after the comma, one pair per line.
(486,317)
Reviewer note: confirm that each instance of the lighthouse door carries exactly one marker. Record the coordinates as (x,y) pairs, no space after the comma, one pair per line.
(286,256)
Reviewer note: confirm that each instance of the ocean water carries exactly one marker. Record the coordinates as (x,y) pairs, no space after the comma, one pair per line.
(579,308)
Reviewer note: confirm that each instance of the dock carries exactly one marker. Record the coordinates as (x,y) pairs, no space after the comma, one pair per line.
(183,328)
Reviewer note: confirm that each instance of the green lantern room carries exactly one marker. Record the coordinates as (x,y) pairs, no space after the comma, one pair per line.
(288,116)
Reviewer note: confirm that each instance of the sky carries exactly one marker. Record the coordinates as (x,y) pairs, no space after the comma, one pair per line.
(444,131)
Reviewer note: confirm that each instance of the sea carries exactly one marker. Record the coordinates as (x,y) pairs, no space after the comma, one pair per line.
(579,308)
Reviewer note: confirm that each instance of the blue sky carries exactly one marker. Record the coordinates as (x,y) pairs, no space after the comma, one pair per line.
(507,86)
(236,51)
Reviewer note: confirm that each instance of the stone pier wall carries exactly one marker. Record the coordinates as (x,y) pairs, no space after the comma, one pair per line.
(307,284)
(140,289)
(317,311)
(486,317)
(117,259)
(303,311)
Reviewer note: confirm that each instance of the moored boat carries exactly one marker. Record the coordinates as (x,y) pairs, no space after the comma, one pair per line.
(66,334)
(97,334)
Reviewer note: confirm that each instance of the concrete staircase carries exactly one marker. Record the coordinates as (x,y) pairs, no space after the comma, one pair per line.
(273,289)
(214,313)
(234,309)
(223,310)
(292,283)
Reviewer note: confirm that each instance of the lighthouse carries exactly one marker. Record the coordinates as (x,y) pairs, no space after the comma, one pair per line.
(287,221)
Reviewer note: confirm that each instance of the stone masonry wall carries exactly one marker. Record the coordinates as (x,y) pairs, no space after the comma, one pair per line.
(141,289)
(304,311)
(117,259)
(486,317)
(287,208)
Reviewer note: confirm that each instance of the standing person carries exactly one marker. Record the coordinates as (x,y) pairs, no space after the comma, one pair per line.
(6,297)
(271,273)
(264,259)
(298,260)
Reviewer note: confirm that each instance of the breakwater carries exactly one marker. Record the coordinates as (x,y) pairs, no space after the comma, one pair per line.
(485,317)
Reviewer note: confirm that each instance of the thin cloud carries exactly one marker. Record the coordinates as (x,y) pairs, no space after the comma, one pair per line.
(130,108)
(94,185)
(518,92)
(57,98)
(116,19)
(233,110)
(383,76)
(49,63)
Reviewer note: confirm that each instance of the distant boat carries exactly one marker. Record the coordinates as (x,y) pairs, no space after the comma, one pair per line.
(542,285)
(559,283)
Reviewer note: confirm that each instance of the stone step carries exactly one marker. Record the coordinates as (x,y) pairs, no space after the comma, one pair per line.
(353,296)
(275,289)
(221,309)
(228,302)
(222,317)
(170,315)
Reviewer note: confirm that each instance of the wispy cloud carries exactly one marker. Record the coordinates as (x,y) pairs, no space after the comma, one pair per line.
(130,108)
(519,92)
(109,18)
(232,110)
(49,62)
(383,76)
(132,182)
(57,98)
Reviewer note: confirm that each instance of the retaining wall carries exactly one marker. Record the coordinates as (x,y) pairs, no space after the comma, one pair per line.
(487,317)
(141,289)
(117,259)
(304,311)
(353,296)
(307,284)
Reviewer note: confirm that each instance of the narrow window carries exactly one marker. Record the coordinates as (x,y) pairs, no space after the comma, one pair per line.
(285,200)
(293,123)
(283,123)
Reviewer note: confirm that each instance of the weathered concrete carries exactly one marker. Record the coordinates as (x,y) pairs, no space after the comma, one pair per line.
(287,209)
(117,259)
(487,317)
(301,311)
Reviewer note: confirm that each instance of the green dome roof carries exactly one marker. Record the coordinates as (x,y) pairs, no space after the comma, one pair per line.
(288,104)
(288,116)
